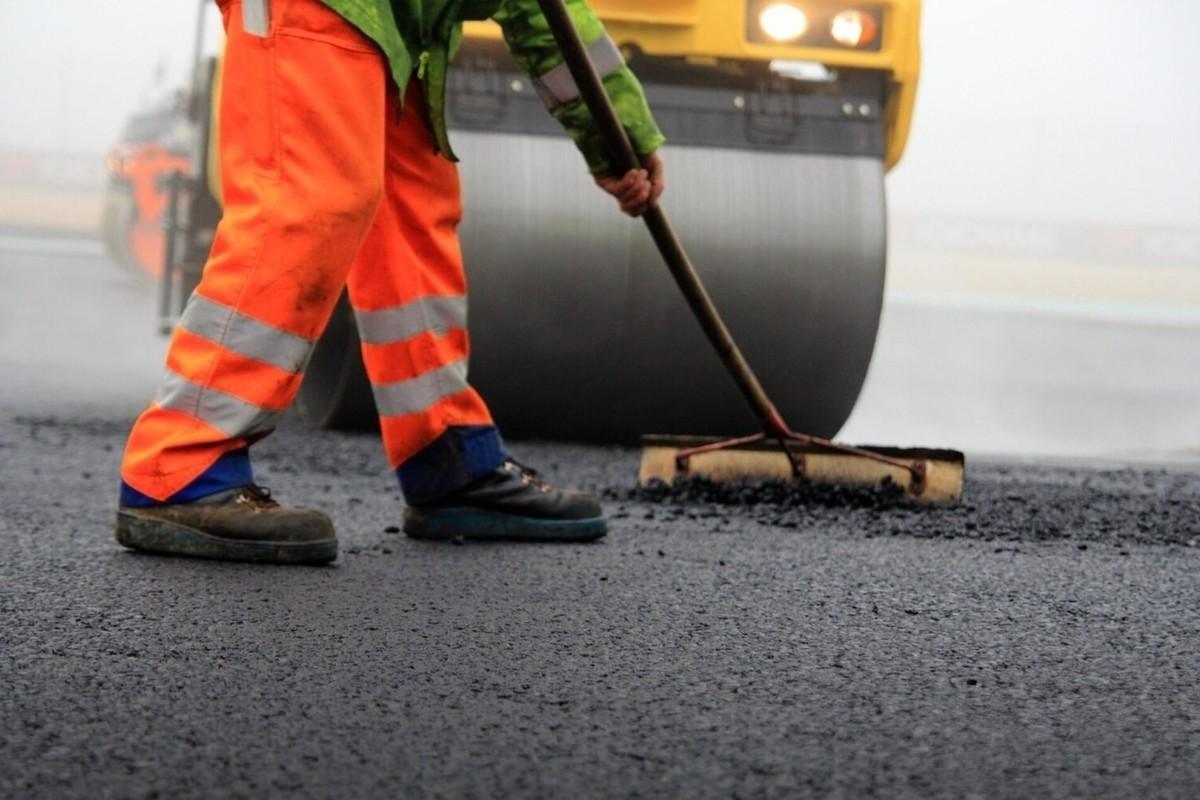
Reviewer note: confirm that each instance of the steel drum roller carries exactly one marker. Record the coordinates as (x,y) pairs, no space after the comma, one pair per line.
(579,332)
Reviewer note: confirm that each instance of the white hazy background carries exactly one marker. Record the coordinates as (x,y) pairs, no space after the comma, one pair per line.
(1032,114)
(1073,110)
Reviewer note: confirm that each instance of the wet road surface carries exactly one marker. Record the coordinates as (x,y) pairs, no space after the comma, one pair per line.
(1041,640)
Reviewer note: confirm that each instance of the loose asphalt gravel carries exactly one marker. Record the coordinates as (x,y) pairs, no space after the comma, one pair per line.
(1040,640)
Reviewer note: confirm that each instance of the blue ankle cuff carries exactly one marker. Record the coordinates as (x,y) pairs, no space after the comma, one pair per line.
(460,456)
(230,471)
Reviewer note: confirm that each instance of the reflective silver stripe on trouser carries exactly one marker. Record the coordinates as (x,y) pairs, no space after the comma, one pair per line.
(557,87)
(244,335)
(256,17)
(434,314)
(423,392)
(231,415)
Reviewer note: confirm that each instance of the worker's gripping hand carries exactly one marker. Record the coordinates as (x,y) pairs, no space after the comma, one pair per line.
(639,188)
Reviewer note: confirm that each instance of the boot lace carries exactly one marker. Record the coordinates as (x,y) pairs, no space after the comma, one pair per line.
(257,497)
(529,476)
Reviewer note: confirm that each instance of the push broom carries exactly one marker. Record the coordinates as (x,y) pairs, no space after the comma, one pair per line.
(927,476)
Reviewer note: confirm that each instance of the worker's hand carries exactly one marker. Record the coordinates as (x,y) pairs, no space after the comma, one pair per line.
(639,188)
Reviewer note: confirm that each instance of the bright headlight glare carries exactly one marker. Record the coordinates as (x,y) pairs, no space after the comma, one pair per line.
(854,29)
(783,22)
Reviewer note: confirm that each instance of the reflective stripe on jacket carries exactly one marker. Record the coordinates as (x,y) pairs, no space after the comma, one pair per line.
(422,37)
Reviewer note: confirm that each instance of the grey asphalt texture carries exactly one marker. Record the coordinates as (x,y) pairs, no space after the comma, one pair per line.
(701,651)
(1041,640)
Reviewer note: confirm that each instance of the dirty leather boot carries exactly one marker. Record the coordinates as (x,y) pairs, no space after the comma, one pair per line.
(510,504)
(242,524)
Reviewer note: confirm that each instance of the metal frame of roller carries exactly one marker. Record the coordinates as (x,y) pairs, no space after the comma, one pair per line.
(776,185)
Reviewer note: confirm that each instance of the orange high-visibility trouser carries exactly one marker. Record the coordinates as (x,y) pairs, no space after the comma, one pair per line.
(326,184)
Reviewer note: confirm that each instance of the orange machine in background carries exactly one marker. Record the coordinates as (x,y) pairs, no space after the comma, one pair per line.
(155,144)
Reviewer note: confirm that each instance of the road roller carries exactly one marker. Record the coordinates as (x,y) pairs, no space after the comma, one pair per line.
(782,119)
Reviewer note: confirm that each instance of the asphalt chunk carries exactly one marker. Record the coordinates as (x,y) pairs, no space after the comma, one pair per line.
(1002,503)
(786,494)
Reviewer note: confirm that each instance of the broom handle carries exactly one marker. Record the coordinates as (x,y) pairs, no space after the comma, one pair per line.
(625,158)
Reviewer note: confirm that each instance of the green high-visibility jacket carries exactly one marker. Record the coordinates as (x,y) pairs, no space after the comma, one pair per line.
(422,36)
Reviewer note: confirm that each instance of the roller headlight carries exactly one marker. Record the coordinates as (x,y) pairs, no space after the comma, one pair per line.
(854,29)
(783,22)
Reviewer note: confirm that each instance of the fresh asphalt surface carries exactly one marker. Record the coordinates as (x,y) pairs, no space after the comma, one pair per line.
(1040,641)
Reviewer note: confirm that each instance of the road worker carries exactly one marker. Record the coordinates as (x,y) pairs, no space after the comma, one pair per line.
(337,172)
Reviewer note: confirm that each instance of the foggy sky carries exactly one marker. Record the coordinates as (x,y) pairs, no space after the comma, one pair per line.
(1065,110)
(1056,110)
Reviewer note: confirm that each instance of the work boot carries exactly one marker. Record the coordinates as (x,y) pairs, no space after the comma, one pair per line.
(242,524)
(510,504)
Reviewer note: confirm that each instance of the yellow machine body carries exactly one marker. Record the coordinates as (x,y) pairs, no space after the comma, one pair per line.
(714,31)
